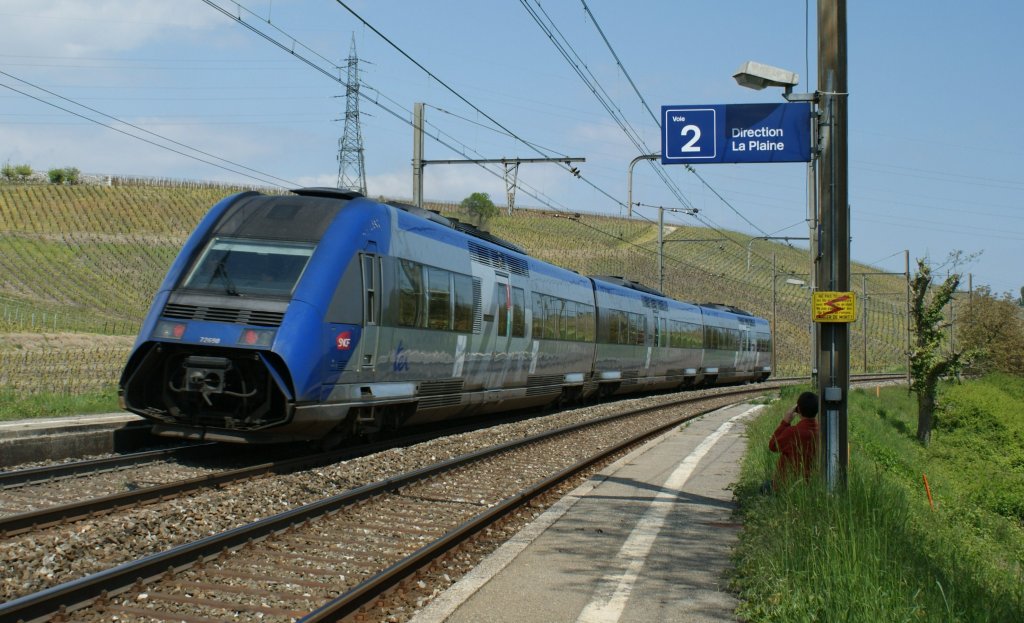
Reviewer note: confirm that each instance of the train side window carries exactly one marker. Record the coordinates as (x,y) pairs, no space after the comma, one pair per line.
(618,327)
(607,331)
(712,338)
(552,312)
(439,299)
(538,316)
(370,289)
(502,306)
(570,321)
(696,333)
(463,287)
(518,312)
(410,294)
(586,322)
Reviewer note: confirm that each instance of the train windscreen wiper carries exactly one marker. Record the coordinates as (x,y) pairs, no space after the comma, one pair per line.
(222,272)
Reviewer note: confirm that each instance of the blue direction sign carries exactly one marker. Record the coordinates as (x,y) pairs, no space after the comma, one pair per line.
(736,133)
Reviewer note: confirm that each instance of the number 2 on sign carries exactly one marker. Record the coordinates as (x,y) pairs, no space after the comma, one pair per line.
(690,145)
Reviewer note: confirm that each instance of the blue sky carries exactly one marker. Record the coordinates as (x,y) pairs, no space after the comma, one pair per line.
(935,152)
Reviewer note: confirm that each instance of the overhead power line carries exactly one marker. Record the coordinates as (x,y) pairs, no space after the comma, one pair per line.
(294,50)
(259,175)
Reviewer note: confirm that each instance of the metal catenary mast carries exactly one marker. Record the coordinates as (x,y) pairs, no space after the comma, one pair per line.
(351,172)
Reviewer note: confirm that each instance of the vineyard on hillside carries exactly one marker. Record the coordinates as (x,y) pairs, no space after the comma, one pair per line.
(79,265)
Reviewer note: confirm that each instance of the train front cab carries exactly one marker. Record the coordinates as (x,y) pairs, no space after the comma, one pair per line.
(232,345)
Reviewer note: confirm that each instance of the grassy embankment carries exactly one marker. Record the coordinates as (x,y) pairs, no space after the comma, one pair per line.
(79,266)
(879,551)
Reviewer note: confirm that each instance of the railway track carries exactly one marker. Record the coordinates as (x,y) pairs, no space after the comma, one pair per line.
(357,543)
(40,497)
(228,497)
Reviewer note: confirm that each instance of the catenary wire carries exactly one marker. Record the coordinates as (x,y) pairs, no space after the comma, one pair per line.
(143,139)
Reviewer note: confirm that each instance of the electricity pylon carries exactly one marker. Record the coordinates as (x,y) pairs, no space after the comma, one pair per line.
(351,172)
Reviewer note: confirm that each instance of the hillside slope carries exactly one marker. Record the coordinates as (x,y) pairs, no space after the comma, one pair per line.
(86,260)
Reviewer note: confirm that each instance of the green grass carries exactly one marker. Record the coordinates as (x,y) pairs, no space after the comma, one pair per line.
(15,406)
(878,551)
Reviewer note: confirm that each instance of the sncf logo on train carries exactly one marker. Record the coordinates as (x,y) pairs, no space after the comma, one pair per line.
(345,340)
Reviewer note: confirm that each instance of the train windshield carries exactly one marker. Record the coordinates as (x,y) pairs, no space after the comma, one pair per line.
(246,267)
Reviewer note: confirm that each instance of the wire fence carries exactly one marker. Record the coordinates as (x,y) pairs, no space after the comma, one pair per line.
(66,372)
(16,318)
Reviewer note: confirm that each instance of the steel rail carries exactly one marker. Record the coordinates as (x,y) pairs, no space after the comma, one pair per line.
(49,472)
(74,511)
(79,593)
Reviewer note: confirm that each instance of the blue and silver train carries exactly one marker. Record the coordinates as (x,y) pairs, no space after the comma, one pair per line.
(322,315)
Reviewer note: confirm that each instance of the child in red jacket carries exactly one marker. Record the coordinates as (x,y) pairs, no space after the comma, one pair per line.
(797,445)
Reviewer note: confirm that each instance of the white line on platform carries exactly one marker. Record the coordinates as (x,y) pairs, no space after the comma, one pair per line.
(612,592)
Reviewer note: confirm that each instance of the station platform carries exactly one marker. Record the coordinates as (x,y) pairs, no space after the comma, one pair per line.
(647,539)
(37,439)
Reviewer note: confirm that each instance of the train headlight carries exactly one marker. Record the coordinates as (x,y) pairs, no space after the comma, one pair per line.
(257,337)
(169,330)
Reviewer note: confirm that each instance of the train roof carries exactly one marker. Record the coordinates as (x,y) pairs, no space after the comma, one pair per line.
(629,283)
(728,308)
(430,215)
(329,193)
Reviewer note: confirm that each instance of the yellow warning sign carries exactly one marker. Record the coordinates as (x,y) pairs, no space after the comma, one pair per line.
(834,307)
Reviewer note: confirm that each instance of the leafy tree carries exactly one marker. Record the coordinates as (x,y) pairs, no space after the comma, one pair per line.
(993,328)
(69,175)
(480,205)
(16,172)
(929,360)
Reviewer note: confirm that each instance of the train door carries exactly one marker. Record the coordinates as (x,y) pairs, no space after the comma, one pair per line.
(661,353)
(745,353)
(370,340)
(501,304)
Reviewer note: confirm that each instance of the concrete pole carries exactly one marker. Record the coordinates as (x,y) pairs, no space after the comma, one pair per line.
(833,272)
(906,270)
(661,249)
(774,323)
(417,155)
(812,237)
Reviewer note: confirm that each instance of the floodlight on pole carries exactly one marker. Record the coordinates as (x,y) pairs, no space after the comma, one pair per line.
(754,75)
